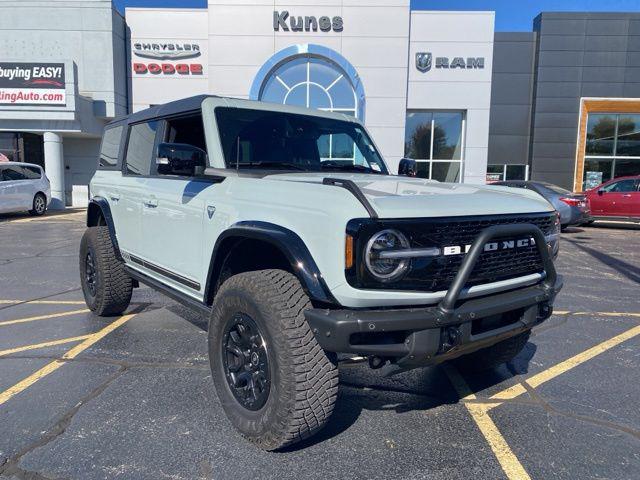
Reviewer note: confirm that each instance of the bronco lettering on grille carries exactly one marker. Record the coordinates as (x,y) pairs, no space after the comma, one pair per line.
(490,247)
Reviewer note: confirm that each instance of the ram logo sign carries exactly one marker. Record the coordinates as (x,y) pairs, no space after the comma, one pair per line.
(424,62)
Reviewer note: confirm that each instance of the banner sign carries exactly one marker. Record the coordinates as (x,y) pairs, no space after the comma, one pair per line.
(32,84)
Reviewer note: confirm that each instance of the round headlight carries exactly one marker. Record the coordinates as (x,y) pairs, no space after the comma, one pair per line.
(386,269)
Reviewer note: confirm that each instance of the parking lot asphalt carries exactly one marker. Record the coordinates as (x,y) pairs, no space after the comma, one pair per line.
(84,397)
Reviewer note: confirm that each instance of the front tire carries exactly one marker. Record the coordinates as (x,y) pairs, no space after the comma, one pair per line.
(276,385)
(105,284)
(39,205)
(493,356)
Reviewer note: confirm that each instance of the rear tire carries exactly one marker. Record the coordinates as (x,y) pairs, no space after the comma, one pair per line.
(39,205)
(300,380)
(493,356)
(105,284)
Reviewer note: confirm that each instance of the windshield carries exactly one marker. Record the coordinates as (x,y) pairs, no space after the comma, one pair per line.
(287,141)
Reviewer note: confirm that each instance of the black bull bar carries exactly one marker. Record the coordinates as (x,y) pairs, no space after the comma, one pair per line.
(429,335)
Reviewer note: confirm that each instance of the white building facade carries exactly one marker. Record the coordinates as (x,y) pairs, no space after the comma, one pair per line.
(62,78)
(419,80)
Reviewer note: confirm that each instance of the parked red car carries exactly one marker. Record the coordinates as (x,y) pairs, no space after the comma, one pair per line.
(618,198)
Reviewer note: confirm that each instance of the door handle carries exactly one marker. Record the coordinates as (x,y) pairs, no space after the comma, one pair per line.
(151,203)
(114,197)
(627,195)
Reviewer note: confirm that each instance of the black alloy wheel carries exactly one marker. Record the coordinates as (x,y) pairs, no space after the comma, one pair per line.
(245,362)
(90,273)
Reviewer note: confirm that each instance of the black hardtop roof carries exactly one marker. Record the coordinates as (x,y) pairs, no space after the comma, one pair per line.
(166,109)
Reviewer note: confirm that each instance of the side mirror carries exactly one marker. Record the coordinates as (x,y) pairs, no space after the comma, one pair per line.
(408,167)
(180,159)
(600,191)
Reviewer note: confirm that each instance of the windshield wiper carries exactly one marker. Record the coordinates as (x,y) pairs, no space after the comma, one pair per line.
(348,166)
(290,166)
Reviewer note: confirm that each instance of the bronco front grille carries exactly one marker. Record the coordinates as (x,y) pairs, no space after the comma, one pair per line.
(437,273)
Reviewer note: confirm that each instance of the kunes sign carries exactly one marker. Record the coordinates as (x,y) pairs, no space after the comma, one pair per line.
(282,20)
(32,84)
(174,55)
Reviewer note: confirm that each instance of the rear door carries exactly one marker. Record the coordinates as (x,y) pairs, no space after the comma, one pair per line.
(132,190)
(17,188)
(7,187)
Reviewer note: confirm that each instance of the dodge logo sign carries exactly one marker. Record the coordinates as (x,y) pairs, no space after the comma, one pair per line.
(423,61)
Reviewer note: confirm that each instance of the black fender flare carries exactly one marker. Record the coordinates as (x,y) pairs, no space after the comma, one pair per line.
(98,206)
(289,243)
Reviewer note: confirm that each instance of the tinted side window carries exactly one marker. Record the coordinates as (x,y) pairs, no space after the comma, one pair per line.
(110,146)
(621,186)
(14,173)
(142,138)
(32,173)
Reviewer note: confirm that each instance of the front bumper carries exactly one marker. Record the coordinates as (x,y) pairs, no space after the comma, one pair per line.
(414,337)
(423,336)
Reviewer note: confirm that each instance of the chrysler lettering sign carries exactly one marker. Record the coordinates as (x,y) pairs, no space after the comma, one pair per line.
(166,50)
(32,84)
(424,62)
(282,20)
(171,58)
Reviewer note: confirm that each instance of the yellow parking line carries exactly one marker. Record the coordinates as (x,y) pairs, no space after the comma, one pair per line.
(43,302)
(566,365)
(35,346)
(54,365)
(480,414)
(43,317)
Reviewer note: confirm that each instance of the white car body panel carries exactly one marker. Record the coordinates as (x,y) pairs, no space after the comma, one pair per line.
(17,195)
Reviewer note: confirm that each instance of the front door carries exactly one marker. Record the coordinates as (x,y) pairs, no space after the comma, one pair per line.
(614,199)
(174,210)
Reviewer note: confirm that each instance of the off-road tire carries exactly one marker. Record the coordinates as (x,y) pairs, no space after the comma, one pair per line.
(39,205)
(112,284)
(304,379)
(493,356)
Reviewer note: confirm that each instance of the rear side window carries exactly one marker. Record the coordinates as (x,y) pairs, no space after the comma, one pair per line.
(110,147)
(13,172)
(32,173)
(142,137)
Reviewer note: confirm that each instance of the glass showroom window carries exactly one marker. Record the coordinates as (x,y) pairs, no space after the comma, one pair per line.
(315,82)
(612,147)
(501,172)
(436,141)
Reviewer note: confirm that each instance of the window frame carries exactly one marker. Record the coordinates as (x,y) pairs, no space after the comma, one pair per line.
(463,134)
(123,166)
(119,159)
(613,157)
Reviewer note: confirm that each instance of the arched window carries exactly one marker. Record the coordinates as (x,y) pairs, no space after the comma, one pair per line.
(310,76)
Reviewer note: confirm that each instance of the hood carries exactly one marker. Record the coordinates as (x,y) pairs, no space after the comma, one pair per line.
(403,197)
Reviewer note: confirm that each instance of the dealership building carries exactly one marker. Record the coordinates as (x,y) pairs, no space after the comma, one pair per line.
(560,103)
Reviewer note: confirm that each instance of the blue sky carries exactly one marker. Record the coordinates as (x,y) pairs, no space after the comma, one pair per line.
(511,15)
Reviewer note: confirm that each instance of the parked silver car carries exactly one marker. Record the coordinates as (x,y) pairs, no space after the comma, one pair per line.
(23,187)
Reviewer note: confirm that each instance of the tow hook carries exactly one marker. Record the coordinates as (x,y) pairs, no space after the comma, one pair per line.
(450,337)
(544,311)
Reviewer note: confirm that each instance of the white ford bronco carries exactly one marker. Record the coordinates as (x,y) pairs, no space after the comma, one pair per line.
(285,228)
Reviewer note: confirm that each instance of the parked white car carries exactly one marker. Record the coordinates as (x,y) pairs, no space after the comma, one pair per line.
(23,186)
